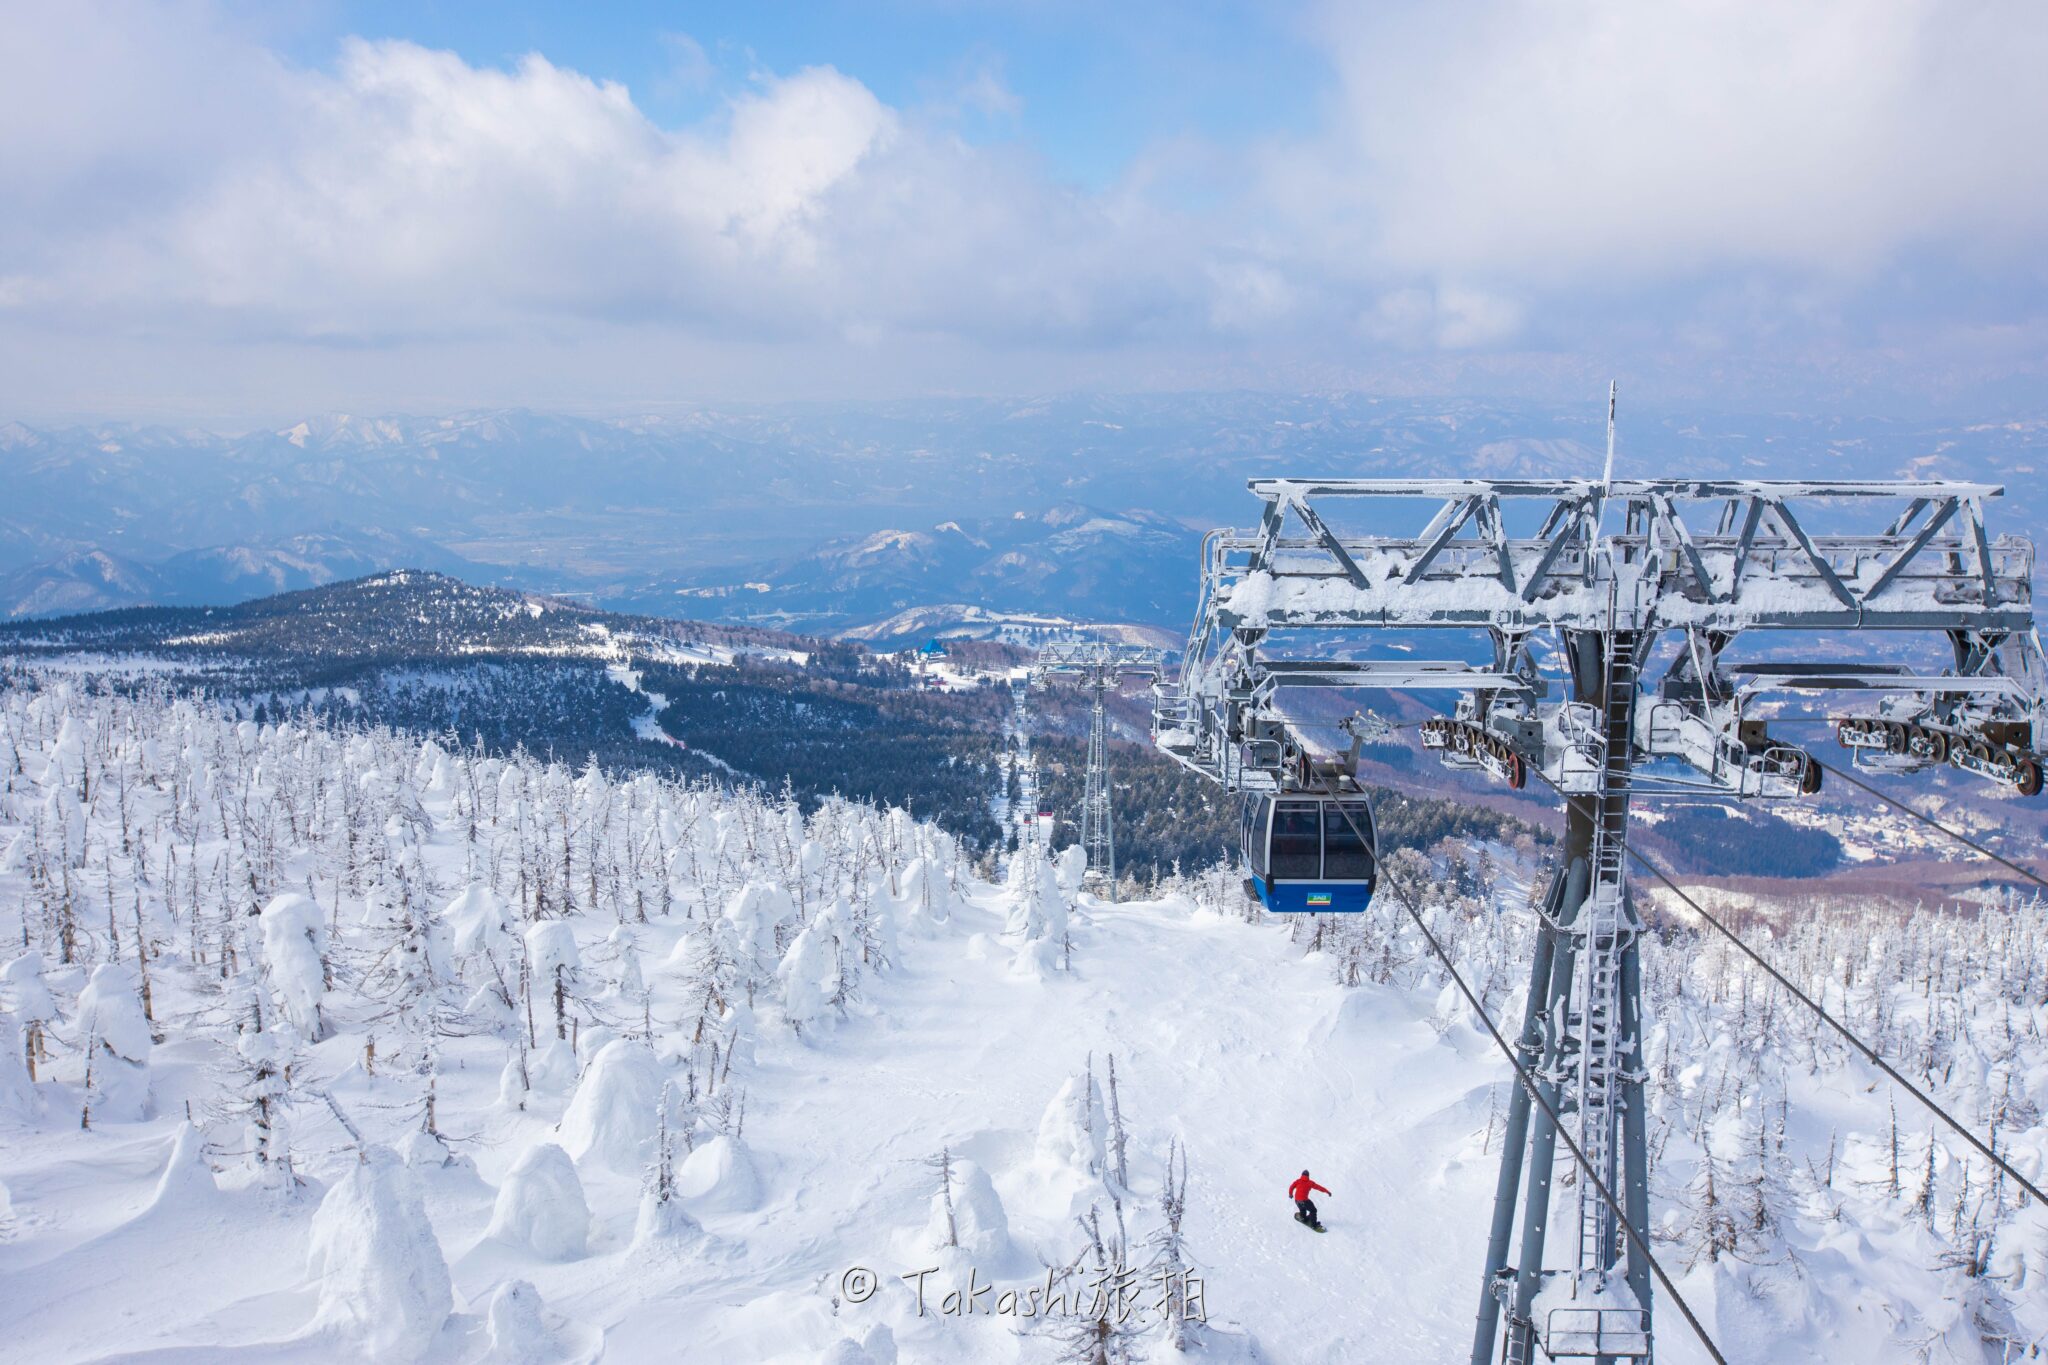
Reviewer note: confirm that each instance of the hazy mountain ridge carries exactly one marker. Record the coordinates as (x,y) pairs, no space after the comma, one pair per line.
(676,513)
(1072,561)
(401,615)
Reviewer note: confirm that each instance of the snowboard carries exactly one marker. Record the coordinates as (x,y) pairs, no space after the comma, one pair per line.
(1305,1223)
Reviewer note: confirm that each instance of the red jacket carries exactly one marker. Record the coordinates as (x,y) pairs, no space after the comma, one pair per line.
(1301,1186)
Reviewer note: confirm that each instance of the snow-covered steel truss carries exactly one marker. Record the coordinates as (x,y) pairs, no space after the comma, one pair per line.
(1101,667)
(1603,612)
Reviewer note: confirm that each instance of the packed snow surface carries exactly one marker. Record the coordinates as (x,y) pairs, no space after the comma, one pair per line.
(495,1060)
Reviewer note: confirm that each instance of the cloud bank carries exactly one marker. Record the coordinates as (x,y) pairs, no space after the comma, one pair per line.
(1821,197)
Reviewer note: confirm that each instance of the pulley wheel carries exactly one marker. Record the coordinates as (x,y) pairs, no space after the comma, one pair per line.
(1809,781)
(2029,777)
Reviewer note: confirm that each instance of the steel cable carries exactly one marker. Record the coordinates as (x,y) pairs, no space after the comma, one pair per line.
(1529,1084)
(1803,998)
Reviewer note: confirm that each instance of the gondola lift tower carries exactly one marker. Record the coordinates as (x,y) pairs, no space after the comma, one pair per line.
(1101,666)
(1608,672)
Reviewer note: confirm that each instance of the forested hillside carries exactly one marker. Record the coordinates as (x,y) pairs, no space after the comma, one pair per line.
(331,1042)
(501,671)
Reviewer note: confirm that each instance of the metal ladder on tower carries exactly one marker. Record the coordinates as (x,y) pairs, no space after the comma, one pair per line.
(1097,836)
(1603,928)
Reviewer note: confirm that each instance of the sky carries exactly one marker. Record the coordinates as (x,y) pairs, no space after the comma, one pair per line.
(222,210)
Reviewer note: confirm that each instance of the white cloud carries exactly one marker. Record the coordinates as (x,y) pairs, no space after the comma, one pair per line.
(409,193)
(1590,179)
(1561,140)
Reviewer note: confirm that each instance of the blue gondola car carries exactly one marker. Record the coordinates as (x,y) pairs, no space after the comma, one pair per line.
(1306,856)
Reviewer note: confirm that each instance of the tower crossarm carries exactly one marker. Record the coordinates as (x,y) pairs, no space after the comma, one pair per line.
(1716,554)
(1094,663)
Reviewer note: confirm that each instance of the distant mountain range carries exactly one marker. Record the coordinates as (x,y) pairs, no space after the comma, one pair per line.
(875,520)
(93,579)
(1069,562)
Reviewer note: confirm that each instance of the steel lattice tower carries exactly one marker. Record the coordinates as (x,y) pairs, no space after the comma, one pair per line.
(1101,667)
(1529,563)
(1098,833)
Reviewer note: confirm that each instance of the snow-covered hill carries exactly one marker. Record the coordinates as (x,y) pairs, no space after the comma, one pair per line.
(345,1046)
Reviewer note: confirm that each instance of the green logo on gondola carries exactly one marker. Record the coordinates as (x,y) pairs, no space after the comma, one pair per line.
(1318,898)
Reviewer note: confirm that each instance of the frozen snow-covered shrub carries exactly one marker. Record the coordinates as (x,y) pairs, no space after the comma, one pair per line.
(26,996)
(383,1281)
(61,824)
(1072,862)
(482,923)
(424,1151)
(65,767)
(754,913)
(661,1216)
(976,1220)
(809,976)
(514,1080)
(624,949)
(554,1068)
(2021,1260)
(660,1220)
(927,900)
(1037,959)
(591,1041)
(541,1206)
(551,948)
(518,1334)
(1038,912)
(876,1346)
(1074,1130)
(23,992)
(187,1181)
(488,1006)
(110,1012)
(17,1092)
(294,938)
(1038,904)
(264,1089)
(611,1117)
(719,1177)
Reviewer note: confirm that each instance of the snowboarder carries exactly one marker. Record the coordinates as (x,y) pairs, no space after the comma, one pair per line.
(1305,1207)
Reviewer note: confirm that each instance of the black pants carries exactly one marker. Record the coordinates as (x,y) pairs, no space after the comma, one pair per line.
(1307,1209)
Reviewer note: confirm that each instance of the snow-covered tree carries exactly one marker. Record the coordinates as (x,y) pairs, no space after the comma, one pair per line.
(611,1118)
(541,1207)
(26,996)
(294,943)
(383,1282)
(118,1045)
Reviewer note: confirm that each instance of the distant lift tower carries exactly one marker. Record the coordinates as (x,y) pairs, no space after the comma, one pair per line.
(1101,667)
(1604,669)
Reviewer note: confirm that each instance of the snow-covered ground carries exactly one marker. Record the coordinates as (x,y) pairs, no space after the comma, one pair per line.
(348,1127)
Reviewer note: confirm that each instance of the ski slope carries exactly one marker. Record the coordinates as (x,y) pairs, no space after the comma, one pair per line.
(1226,1039)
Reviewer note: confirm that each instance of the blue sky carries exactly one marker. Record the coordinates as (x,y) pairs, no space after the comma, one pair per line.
(223,210)
(1093,84)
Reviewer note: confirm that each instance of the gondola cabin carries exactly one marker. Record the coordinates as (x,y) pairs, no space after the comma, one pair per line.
(1306,857)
